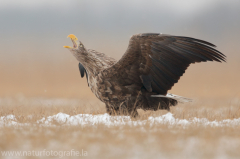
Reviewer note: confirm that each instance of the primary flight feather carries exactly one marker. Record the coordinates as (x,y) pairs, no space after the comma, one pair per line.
(151,65)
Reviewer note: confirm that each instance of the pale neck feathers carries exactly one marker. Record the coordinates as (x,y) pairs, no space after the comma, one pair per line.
(94,61)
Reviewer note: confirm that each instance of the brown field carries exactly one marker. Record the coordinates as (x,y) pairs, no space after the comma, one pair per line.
(26,87)
(29,85)
(24,91)
(158,141)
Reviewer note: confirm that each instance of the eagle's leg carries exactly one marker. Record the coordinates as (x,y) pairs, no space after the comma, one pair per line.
(131,108)
(121,109)
(126,109)
(109,109)
(112,110)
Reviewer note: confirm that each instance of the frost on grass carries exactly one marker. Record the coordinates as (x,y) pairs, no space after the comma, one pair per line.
(107,120)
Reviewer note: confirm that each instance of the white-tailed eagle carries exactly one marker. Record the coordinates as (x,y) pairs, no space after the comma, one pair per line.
(151,65)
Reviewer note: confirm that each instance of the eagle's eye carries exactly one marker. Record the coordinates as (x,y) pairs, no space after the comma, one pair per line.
(81,45)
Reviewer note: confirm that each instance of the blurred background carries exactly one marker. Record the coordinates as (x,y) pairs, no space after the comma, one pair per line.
(33,62)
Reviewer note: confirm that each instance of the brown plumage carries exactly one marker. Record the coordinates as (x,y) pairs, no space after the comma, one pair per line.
(152,64)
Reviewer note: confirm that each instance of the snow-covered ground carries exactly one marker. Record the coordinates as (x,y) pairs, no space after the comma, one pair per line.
(105,119)
(102,119)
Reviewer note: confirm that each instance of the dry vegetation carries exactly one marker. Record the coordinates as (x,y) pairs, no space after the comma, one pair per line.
(159,141)
(214,87)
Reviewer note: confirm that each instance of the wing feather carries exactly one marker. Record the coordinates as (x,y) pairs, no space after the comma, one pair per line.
(83,71)
(157,61)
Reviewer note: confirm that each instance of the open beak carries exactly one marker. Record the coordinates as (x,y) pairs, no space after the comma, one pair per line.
(74,41)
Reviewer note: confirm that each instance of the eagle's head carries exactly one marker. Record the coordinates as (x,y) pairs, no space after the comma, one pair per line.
(78,48)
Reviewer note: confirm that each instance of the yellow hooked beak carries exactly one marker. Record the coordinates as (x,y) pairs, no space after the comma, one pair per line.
(74,41)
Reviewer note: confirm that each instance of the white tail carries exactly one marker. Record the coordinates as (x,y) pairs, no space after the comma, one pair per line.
(180,99)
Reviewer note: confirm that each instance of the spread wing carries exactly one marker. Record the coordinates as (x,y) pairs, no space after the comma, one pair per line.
(157,61)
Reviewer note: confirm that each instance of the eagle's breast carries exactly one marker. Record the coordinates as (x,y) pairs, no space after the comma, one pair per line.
(108,90)
(101,88)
